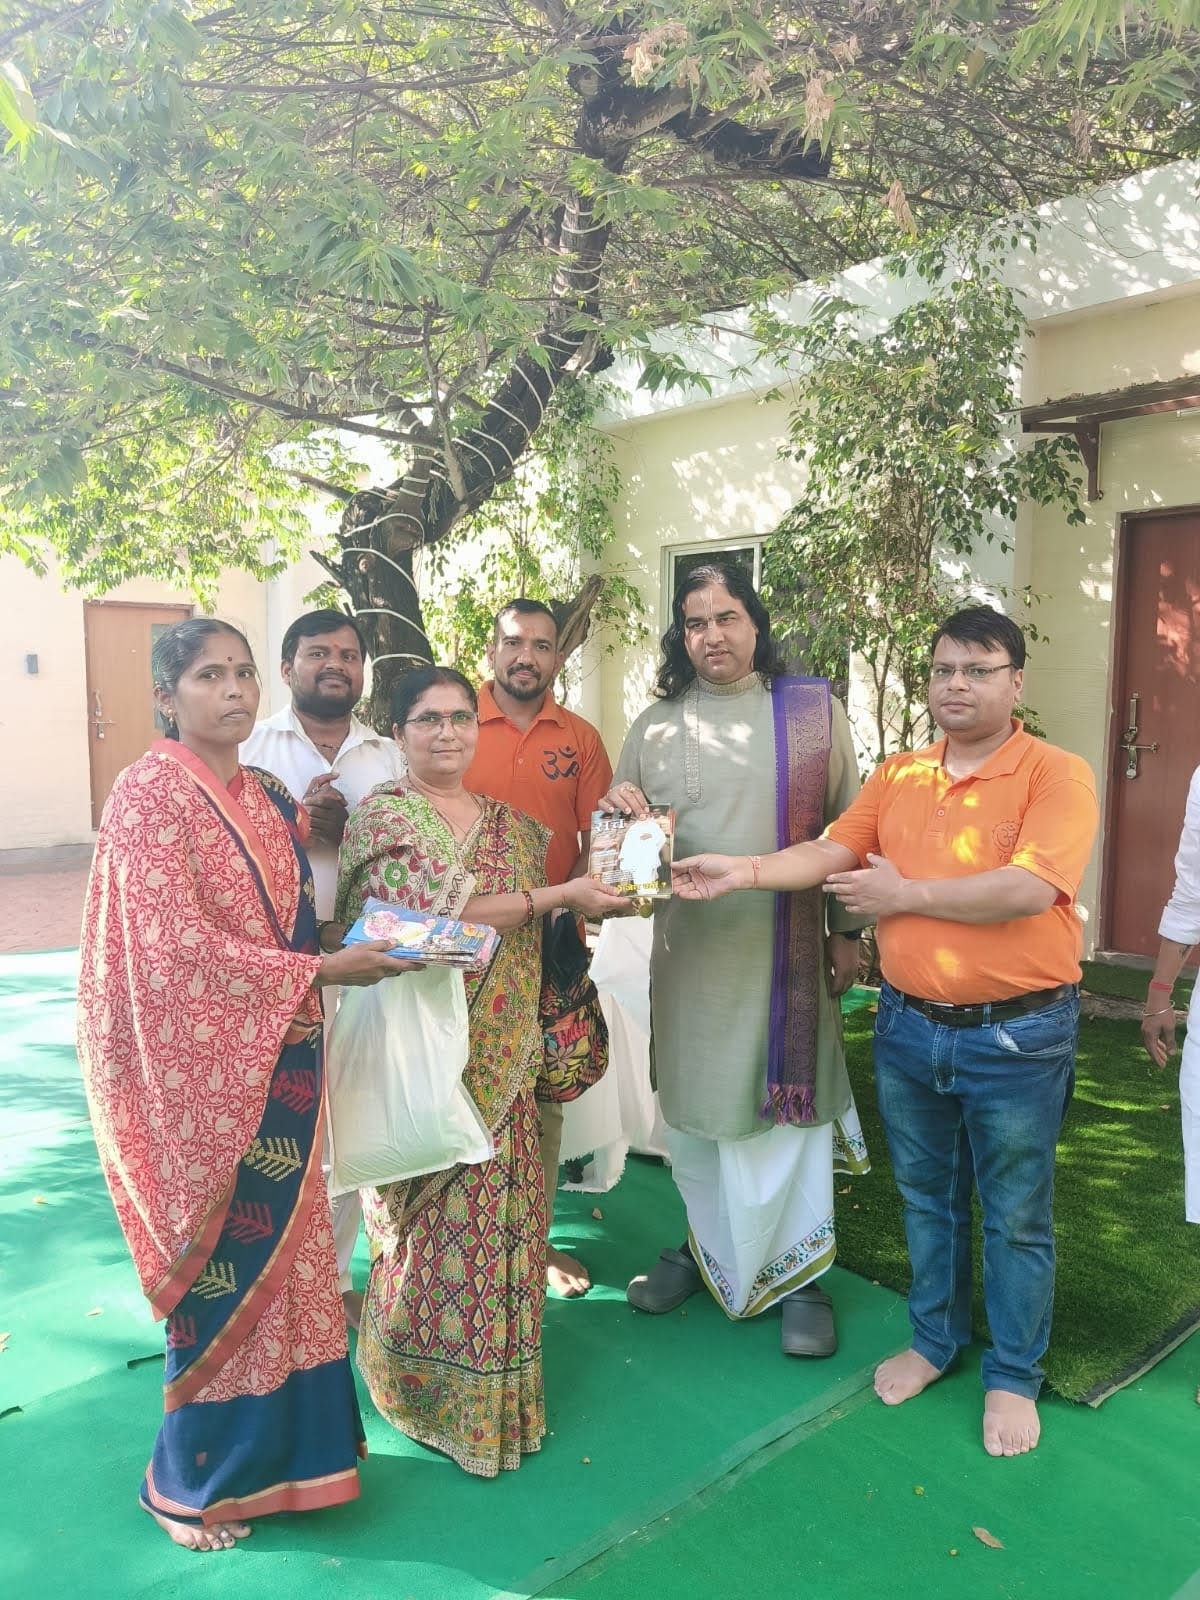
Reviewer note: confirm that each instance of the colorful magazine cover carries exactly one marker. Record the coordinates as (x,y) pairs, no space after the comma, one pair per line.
(422,937)
(633,854)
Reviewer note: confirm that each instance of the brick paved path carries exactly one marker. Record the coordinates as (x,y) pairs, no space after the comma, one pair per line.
(41,905)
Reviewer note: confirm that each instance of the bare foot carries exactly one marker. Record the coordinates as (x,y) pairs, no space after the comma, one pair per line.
(221,1536)
(566,1276)
(901,1377)
(352,1303)
(1011,1426)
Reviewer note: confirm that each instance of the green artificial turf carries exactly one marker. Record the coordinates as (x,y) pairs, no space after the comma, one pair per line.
(686,1456)
(1129,983)
(878,1501)
(1128,1282)
(643,1411)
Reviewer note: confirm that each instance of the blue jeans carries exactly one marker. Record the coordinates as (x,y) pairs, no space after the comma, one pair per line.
(982,1105)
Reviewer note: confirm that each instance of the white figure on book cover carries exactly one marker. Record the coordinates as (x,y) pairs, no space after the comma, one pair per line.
(641,854)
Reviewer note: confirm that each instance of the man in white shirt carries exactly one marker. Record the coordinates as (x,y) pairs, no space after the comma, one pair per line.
(329,760)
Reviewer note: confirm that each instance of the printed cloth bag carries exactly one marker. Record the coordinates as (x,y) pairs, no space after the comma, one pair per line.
(574,1031)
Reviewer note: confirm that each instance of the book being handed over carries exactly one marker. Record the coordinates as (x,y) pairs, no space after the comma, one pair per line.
(632,855)
(420,936)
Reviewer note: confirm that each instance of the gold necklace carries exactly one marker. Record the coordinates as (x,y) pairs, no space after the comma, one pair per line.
(329,747)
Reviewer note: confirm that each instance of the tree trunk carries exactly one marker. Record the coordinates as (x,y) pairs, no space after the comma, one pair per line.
(382,596)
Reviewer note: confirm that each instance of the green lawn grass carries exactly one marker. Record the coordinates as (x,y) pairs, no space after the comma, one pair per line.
(1129,983)
(1128,1265)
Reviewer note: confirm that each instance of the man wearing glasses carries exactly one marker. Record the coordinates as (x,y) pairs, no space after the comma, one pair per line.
(968,855)
(550,763)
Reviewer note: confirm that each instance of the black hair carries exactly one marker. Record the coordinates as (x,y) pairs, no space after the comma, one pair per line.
(984,626)
(314,623)
(178,646)
(677,672)
(408,690)
(523,608)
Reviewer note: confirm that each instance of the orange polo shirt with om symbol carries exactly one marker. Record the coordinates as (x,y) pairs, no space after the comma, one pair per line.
(554,771)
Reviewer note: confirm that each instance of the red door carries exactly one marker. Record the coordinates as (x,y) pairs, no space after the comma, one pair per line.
(1155,737)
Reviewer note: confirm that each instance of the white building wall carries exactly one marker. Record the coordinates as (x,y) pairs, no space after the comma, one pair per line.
(45,783)
(1113,295)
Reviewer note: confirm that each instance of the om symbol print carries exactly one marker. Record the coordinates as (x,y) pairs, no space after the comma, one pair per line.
(561,763)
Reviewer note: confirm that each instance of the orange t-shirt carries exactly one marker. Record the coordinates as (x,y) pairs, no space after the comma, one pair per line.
(554,771)
(1030,805)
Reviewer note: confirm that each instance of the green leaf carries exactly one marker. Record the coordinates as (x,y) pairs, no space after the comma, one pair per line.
(18,113)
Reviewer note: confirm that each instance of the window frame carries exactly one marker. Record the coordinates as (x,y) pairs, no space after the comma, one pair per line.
(710,550)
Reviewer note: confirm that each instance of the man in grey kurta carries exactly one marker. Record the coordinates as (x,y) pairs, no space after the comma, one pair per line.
(759,1194)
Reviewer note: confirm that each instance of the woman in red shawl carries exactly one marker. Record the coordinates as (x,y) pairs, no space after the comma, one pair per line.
(199,1036)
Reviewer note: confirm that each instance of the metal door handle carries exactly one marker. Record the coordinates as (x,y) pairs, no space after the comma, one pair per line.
(98,717)
(1129,742)
(1132,750)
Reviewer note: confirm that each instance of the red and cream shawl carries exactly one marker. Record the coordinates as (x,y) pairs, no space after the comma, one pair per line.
(186,997)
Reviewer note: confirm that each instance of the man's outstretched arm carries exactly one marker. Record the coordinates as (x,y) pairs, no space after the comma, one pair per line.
(800,866)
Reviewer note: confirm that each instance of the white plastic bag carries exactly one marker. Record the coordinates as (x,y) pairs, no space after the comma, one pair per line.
(395,1055)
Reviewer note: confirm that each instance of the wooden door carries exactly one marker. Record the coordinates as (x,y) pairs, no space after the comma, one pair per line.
(1156,704)
(121,719)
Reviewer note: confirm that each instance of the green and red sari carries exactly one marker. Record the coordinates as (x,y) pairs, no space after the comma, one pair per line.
(450,1343)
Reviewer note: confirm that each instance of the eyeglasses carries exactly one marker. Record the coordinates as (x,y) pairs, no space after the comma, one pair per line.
(430,721)
(972,673)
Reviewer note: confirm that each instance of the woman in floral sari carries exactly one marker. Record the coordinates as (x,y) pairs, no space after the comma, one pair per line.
(199,1036)
(450,1342)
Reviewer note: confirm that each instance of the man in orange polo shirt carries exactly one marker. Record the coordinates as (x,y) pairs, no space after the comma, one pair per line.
(543,759)
(968,854)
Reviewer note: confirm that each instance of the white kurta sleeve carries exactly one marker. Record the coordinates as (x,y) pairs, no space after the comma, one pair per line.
(1181,915)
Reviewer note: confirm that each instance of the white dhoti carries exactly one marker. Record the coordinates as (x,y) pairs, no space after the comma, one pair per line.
(1180,922)
(1189,1106)
(760,1210)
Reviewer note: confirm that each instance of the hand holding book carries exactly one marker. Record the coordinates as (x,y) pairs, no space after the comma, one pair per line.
(420,936)
(630,853)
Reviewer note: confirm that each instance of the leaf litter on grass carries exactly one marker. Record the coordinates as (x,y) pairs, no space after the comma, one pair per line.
(987,1538)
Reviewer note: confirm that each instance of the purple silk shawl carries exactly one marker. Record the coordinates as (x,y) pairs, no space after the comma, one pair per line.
(803,732)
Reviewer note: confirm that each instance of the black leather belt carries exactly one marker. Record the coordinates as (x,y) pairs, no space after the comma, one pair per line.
(978,1016)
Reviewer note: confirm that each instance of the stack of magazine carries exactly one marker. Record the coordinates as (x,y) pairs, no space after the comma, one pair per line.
(420,936)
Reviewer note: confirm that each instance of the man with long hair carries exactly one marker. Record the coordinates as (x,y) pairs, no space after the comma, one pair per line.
(746,1023)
